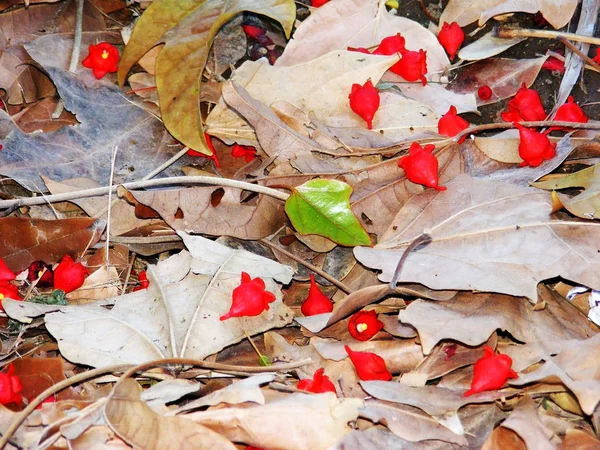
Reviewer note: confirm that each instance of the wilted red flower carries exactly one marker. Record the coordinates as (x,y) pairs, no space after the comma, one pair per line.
(252,31)
(484,92)
(526,105)
(8,290)
(319,384)
(102,59)
(554,64)
(364,101)
(210,146)
(5,273)
(570,112)
(421,166)
(534,147)
(412,66)
(10,387)
(450,124)
(143,279)
(391,45)
(318,3)
(249,299)
(359,50)
(451,37)
(243,151)
(369,366)
(316,302)
(69,275)
(36,270)
(490,372)
(364,325)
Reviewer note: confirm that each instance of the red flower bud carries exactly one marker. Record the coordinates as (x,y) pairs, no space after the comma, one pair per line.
(316,302)
(8,290)
(69,275)
(364,101)
(102,59)
(5,273)
(596,58)
(143,279)
(364,325)
(36,270)
(490,372)
(570,112)
(10,387)
(318,3)
(242,151)
(252,31)
(534,147)
(391,45)
(526,105)
(451,37)
(319,384)
(249,299)
(421,166)
(359,50)
(450,124)
(484,92)
(554,64)
(210,146)
(369,366)
(412,66)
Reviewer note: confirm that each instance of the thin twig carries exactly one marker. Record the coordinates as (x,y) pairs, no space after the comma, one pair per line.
(109,208)
(166,164)
(579,53)
(422,240)
(308,265)
(510,32)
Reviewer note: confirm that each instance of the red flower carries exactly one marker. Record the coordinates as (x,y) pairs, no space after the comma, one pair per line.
(364,101)
(242,151)
(364,325)
(391,45)
(5,273)
(570,112)
(252,31)
(554,64)
(249,299)
(319,384)
(102,59)
(369,366)
(534,147)
(36,270)
(10,387)
(210,146)
(526,105)
(596,58)
(421,166)
(69,275)
(484,92)
(412,66)
(451,37)
(359,50)
(316,302)
(8,290)
(450,124)
(143,279)
(318,3)
(490,372)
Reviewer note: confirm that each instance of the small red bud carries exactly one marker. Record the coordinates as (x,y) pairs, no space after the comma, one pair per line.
(570,112)
(490,372)
(249,299)
(369,366)
(252,31)
(69,275)
(364,325)
(450,124)
(525,105)
(316,302)
(242,151)
(318,3)
(534,147)
(451,37)
(596,58)
(143,279)
(554,64)
(10,387)
(412,66)
(484,92)
(102,59)
(421,166)
(319,384)
(391,45)
(364,101)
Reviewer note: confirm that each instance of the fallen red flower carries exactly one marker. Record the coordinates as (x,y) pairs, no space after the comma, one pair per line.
(242,151)
(69,275)
(36,270)
(484,92)
(5,273)
(316,302)
(10,387)
(570,112)
(451,37)
(364,325)
(554,64)
(525,105)
(252,31)
(421,166)
(249,299)
(450,124)
(596,58)
(490,372)
(8,290)
(369,366)
(319,384)
(143,279)
(210,146)
(318,3)
(534,147)
(102,59)
(412,66)
(364,101)
(391,45)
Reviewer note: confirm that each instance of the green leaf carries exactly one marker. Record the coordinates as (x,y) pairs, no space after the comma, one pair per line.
(323,207)
(188,28)
(264,361)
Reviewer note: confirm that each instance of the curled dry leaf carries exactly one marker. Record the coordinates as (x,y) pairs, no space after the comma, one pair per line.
(525,421)
(487,236)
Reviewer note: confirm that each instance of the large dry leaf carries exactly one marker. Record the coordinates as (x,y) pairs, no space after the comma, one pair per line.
(297,422)
(139,426)
(25,240)
(526,422)
(486,236)
(192,210)
(178,315)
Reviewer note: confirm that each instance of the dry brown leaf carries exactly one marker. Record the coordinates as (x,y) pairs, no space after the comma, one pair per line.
(25,240)
(503,439)
(139,426)
(579,440)
(524,421)
(296,422)
(38,116)
(486,236)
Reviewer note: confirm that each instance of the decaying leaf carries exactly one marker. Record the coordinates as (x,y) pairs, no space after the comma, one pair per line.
(486,236)
(525,421)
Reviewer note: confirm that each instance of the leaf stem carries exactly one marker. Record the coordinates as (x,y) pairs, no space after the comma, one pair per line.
(510,32)
(422,240)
